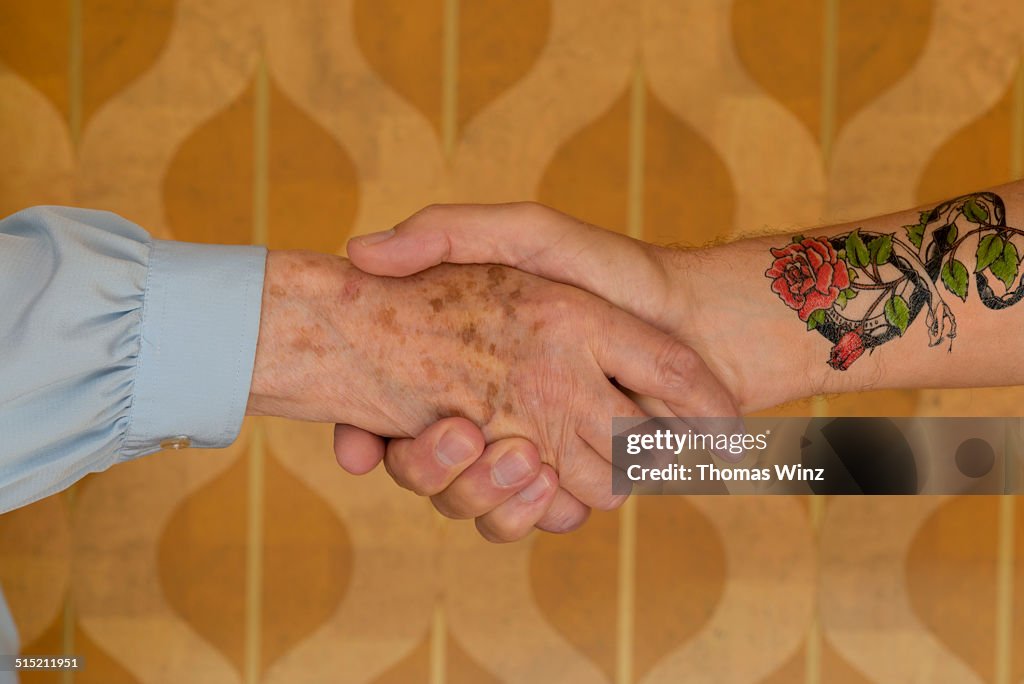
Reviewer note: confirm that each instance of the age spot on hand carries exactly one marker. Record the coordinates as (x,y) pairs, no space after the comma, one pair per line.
(452,293)
(386,318)
(469,334)
(496,276)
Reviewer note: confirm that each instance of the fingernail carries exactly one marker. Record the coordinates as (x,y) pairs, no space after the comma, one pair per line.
(510,469)
(535,489)
(453,449)
(374,238)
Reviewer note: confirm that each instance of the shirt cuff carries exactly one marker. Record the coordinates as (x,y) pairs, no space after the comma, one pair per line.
(200,322)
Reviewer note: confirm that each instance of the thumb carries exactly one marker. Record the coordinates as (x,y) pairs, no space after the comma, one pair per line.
(524,235)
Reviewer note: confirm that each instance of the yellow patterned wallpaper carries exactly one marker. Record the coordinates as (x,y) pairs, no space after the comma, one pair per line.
(301,123)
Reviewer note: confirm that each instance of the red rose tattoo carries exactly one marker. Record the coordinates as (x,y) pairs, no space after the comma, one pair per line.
(860,289)
(807,275)
(847,350)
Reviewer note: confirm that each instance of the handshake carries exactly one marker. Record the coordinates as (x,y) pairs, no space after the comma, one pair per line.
(496,379)
(497,385)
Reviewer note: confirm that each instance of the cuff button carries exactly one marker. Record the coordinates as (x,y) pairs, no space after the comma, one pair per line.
(176,443)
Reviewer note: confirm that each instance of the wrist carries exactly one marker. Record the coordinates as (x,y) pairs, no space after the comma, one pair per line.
(298,289)
(722,305)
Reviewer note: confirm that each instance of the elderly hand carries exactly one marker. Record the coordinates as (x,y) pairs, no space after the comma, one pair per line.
(517,355)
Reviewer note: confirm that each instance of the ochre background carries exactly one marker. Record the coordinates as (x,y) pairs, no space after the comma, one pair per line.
(301,123)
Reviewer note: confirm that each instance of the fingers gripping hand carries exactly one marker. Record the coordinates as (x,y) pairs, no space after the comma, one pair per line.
(512,353)
(639,356)
(508,491)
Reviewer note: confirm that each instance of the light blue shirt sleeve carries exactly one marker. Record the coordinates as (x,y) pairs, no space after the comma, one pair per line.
(112,343)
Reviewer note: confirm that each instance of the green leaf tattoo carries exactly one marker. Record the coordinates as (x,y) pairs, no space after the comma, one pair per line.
(915,234)
(975,212)
(856,251)
(880,249)
(951,233)
(1005,267)
(990,248)
(815,319)
(897,313)
(954,277)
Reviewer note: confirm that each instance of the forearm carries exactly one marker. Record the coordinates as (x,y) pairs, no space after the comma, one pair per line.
(748,312)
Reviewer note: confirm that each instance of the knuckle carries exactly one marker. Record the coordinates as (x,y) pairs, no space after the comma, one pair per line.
(674,365)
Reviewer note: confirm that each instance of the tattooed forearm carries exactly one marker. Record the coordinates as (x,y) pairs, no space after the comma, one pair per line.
(862,289)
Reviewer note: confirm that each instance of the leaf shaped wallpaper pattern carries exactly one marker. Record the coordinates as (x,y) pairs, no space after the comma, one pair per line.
(459,667)
(951,580)
(678,582)
(307,561)
(313,188)
(688,193)
(403,41)
(202,561)
(499,41)
(679,579)
(574,586)
(313,183)
(877,44)
(977,156)
(121,39)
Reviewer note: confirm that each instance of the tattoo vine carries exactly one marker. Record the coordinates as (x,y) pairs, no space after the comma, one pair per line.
(862,289)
